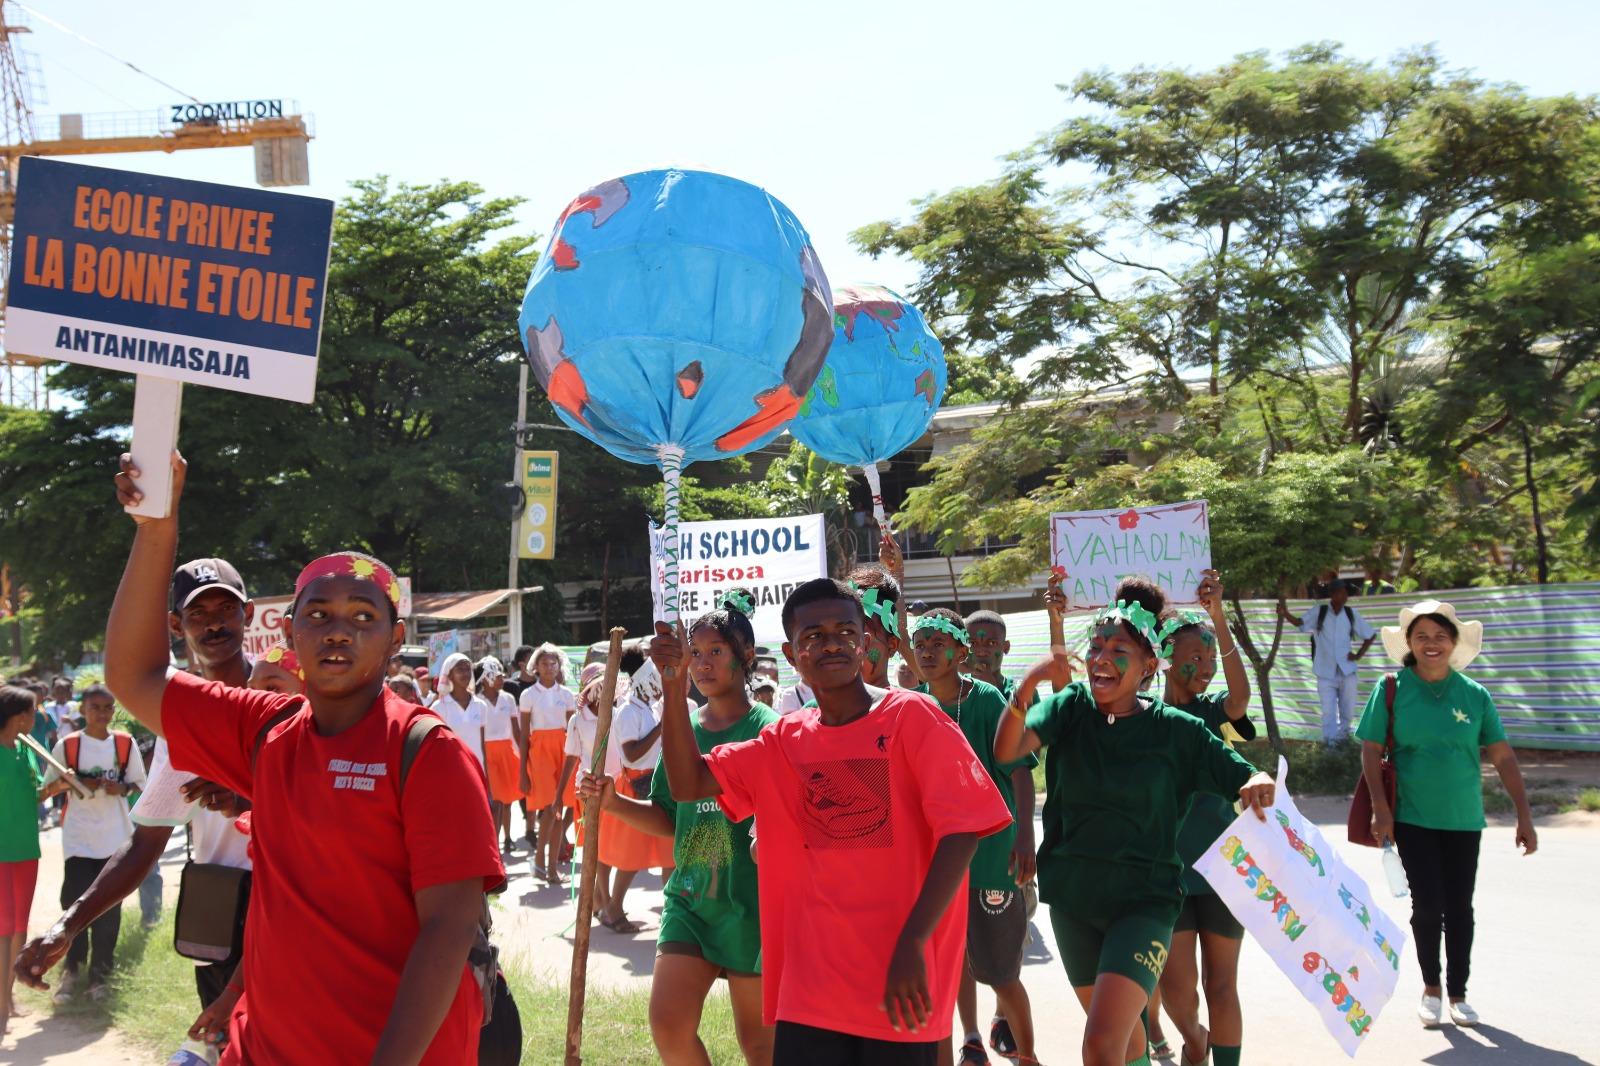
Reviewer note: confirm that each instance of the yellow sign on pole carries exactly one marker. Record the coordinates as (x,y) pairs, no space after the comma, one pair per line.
(538,518)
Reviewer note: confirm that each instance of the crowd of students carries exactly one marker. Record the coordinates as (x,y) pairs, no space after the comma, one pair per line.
(852,855)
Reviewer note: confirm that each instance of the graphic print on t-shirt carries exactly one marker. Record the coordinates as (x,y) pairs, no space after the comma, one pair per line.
(845,803)
(703,855)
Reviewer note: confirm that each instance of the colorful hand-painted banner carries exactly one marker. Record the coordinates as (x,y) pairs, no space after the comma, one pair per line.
(1170,545)
(768,556)
(206,284)
(1314,916)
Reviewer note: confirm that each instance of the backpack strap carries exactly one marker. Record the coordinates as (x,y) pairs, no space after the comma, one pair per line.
(124,746)
(421,726)
(69,748)
(272,723)
(1390,683)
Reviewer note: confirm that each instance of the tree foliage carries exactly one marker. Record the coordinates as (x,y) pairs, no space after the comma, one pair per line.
(1277,270)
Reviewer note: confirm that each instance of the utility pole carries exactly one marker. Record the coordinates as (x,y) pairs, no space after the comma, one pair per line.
(512,581)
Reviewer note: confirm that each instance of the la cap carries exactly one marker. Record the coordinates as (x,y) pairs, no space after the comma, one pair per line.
(203,575)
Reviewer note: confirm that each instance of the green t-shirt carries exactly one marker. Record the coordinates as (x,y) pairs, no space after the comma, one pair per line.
(1114,795)
(978,717)
(19,803)
(1438,775)
(711,896)
(1008,688)
(1208,814)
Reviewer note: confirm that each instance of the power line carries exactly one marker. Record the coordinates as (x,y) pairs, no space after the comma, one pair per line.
(102,48)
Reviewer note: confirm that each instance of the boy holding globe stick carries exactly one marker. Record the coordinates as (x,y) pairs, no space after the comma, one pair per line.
(870,807)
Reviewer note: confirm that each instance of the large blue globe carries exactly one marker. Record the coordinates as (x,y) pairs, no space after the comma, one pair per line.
(677,307)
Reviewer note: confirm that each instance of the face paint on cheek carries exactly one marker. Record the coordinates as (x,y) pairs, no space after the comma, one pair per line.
(874,656)
(949,655)
(1187,671)
(1121,663)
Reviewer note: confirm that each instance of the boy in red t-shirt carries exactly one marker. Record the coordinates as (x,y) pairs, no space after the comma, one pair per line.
(366,895)
(869,807)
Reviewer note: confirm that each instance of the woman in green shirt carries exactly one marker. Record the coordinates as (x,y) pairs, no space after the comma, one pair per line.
(20,779)
(710,920)
(1441,720)
(1120,769)
(1197,645)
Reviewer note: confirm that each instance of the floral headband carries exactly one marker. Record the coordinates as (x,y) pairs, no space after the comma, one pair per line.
(942,625)
(735,600)
(350,564)
(282,656)
(1138,617)
(879,607)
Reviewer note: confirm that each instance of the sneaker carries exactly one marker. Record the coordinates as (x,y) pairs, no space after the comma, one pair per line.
(64,988)
(972,1054)
(1001,1040)
(1463,1015)
(1431,1011)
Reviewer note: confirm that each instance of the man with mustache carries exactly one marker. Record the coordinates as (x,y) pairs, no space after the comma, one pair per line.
(210,611)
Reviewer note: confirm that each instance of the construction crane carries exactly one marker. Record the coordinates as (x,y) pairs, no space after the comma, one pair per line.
(277,132)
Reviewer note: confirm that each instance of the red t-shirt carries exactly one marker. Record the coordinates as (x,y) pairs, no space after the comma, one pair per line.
(339,857)
(848,818)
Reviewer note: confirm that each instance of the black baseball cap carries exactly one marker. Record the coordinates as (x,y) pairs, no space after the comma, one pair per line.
(202,575)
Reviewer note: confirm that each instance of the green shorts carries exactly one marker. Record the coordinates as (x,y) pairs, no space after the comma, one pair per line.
(1133,943)
(1204,912)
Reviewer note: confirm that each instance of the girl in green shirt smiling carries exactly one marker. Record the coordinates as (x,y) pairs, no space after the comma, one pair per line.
(1120,769)
(1441,719)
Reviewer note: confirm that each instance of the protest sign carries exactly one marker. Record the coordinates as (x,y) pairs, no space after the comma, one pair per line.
(768,556)
(1311,913)
(202,283)
(176,281)
(1170,545)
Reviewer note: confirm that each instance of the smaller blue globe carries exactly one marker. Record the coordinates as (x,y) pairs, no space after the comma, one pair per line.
(881,384)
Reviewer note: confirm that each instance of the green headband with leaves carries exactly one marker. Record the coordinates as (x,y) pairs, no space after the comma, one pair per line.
(738,601)
(1136,615)
(878,606)
(942,625)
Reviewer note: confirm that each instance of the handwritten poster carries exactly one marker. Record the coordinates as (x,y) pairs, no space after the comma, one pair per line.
(1312,914)
(1170,545)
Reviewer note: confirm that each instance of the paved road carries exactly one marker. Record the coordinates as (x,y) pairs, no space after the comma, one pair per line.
(1533,966)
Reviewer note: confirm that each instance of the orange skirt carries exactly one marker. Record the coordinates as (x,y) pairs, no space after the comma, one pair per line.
(505,771)
(622,847)
(545,755)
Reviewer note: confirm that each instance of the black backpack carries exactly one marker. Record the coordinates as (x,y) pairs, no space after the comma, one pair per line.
(1322,616)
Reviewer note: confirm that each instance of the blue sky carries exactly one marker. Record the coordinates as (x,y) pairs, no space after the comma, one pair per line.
(847,111)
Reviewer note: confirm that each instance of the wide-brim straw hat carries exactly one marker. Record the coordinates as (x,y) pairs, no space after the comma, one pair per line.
(1469,635)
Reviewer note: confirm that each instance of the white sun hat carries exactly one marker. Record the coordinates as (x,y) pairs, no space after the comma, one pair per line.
(1469,635)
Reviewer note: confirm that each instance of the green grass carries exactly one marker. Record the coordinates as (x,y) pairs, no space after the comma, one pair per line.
(1589,800)
(153,1003)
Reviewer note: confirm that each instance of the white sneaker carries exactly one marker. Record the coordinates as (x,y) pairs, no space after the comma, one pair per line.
(1431,1011)
(1463,1014)
(64,988)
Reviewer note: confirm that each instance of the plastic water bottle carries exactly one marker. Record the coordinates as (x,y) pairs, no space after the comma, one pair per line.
(1395,871)
(193,1053)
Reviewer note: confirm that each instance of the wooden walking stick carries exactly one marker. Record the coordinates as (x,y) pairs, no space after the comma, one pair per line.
(591,857)
(44,753)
